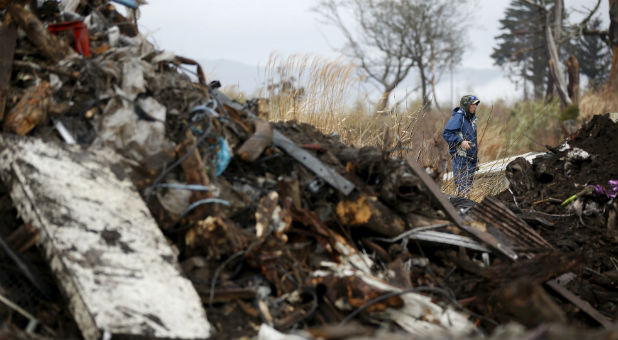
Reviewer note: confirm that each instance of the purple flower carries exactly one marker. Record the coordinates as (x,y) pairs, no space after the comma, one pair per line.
(613,183)
(601,191)
(598,189)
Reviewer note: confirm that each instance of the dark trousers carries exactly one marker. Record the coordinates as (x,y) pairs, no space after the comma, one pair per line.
(463,173)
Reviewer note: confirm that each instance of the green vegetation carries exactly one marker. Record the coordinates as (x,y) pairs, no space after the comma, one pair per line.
(570,112)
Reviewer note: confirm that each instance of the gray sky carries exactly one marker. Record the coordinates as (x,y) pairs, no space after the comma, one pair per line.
(248,31)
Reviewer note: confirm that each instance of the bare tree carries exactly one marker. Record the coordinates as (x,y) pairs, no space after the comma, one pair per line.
(393,37)
(551,46)
(553,51)
(609,36)
(613,38)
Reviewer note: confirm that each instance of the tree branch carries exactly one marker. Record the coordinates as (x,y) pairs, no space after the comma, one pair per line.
(532,3)
(603,35)
(584,22)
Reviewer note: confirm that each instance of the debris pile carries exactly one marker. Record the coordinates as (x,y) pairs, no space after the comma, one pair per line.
(571,198)
(278,227)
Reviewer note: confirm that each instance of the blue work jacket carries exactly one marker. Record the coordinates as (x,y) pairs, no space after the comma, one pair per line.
(459,128)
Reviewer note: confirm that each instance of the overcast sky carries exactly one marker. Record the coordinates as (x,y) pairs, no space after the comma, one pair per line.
(248,31)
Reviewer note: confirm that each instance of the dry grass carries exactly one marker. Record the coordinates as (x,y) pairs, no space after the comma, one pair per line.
(234,92)
(309,89)
(596,102)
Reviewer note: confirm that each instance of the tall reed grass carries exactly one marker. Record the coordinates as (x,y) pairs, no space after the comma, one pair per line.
(603,100)
(309,89)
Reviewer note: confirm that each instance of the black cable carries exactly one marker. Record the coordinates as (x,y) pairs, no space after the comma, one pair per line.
(217,272)
(213,281)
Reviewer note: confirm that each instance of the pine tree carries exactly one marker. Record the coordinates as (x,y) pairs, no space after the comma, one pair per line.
(521,45)
(594,56)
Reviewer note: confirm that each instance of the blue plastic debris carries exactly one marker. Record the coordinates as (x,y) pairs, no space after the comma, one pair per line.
(224,156)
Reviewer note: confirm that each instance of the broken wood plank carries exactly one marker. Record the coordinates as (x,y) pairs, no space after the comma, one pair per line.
(29,111)
(253,147)
(52,47)
(194,171)
(111,260)
(8,36)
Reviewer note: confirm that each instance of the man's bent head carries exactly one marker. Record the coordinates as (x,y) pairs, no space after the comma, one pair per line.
(469,103)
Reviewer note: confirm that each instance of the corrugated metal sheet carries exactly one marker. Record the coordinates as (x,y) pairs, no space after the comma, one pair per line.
(507,226)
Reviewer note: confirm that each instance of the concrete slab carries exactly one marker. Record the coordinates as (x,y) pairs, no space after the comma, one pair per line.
(112,262)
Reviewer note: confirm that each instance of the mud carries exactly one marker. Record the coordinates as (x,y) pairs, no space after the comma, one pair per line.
(585,229)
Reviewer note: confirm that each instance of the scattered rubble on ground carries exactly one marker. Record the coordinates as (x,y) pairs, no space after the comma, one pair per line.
(282,231)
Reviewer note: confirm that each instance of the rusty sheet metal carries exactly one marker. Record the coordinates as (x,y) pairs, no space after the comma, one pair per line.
(8,37)
(517,231)
(112,262)
(200,72)
(454,215)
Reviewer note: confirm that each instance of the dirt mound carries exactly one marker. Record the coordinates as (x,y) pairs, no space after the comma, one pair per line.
(596,137)
(584,226)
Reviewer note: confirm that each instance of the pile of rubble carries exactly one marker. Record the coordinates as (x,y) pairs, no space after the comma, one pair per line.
(138,201)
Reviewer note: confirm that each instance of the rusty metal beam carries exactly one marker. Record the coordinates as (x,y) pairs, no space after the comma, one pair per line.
(577,301)
(449,209)
(328,174)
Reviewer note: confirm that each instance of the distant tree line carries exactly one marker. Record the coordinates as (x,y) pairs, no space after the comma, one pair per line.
(524,47)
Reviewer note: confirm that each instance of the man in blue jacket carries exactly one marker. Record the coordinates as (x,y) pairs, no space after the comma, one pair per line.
(460,134)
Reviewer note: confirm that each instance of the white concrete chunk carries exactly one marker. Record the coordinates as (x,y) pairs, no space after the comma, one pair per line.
(111,259)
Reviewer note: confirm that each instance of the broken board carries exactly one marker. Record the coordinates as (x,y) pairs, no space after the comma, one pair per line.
(117,270)
(7,41)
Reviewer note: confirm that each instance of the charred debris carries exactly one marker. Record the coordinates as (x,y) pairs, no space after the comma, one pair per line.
(139,201)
